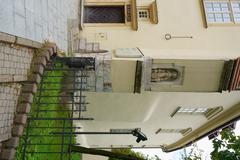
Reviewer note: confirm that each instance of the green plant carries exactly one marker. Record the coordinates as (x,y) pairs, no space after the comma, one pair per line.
(55,82)
(227,147)
(129,151)
(194,154)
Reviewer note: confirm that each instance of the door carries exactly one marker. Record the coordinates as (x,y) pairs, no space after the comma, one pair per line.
(104,14)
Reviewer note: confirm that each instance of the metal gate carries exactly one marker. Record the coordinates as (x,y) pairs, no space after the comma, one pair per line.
(59,101)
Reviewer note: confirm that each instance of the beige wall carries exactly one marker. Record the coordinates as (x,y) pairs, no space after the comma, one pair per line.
(198,76)
(180,18)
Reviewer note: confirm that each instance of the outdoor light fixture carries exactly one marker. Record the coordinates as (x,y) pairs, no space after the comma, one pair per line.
(135,132)
(169,36)
(140,136)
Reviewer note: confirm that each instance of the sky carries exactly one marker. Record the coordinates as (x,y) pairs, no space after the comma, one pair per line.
(204,144)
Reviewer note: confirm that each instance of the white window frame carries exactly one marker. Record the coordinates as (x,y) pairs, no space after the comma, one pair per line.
(190,110)
(230,11)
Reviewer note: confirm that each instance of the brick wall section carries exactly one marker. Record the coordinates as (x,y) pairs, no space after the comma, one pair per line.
(9,94)
(15,62)
(15,107)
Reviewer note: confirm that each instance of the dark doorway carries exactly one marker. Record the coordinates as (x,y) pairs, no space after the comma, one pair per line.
(104,14)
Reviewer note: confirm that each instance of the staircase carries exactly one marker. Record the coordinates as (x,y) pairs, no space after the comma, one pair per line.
(80,45)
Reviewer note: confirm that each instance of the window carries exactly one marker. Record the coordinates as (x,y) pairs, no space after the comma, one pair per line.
(222,11)
(192,110)
(207,112)
(236,11)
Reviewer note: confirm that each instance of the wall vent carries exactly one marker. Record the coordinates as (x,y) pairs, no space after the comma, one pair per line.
(143,14)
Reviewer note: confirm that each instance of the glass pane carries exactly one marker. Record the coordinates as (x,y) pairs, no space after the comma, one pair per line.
(219,20)
(236,6)
(216,7)
(210,15)
(210,20)
(224,7)
(208,6)
(237,20)
(218,15)
(237,17)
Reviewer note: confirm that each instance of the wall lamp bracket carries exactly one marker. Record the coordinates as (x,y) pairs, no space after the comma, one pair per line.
(169,37)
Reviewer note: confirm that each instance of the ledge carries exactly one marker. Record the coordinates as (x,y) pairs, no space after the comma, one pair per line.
(209,127)
(8,38)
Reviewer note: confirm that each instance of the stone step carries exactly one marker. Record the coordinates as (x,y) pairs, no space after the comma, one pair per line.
(75,45)
(96,47)
(89,47)
(82,45)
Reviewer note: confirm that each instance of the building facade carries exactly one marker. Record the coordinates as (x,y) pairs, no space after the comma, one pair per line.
(170,68)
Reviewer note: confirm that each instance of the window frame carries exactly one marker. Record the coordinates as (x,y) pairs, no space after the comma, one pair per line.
(232,22)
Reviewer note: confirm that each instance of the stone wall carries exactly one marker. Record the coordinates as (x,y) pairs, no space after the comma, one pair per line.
(16,56)
(22,64)
(15,62)
(39,20)
(9,94)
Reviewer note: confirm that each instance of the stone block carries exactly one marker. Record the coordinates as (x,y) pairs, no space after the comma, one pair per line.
(30,33)
(35,78)
(53,46)
(51,51)
(26,97)
(39,34)
(21,118)
(20,25)
(37,44)
(38,68)
(17,78)
(17,130)
(47,56)
(19,6)
(40,60)
(7,38)
(24,42)
(23,108)
(7,154)
(6,16)
(6,78)
(29,5)
(29,88)
(12,142)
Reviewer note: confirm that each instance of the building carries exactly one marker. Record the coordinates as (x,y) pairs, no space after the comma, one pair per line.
(170,68)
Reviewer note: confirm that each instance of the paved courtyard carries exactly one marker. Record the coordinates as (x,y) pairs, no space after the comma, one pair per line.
(38,19)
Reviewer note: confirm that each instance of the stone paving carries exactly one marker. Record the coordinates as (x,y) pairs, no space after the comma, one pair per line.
(38,19)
